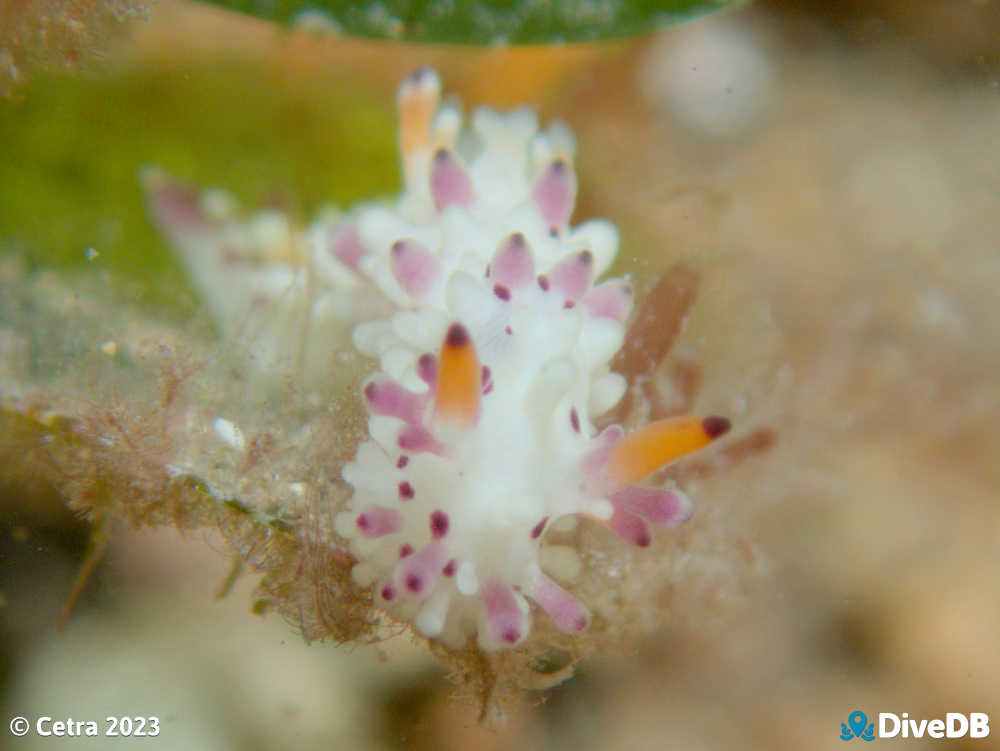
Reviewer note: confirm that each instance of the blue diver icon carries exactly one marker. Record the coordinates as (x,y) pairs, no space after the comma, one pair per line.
(859,727)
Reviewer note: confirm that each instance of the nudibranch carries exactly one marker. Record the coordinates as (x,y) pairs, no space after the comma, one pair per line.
(494,337)
(493,369)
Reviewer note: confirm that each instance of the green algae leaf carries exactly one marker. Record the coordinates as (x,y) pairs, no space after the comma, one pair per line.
(480,22)
(71,151)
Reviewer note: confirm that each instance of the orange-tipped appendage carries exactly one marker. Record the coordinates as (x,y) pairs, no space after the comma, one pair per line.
(459,380)
(418,100)
(646,450)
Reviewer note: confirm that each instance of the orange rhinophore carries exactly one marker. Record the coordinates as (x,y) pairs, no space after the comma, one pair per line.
(418,101)
(646,450)
(459,380)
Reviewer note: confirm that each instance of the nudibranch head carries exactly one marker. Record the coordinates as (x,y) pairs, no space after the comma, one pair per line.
(481,420)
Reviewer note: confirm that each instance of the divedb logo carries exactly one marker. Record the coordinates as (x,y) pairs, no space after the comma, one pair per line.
(954,725)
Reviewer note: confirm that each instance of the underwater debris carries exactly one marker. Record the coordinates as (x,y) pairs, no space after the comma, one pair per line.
(61,35)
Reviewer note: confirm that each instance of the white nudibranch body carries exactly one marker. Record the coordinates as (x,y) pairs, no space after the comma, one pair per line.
(494,362)
(492,370)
